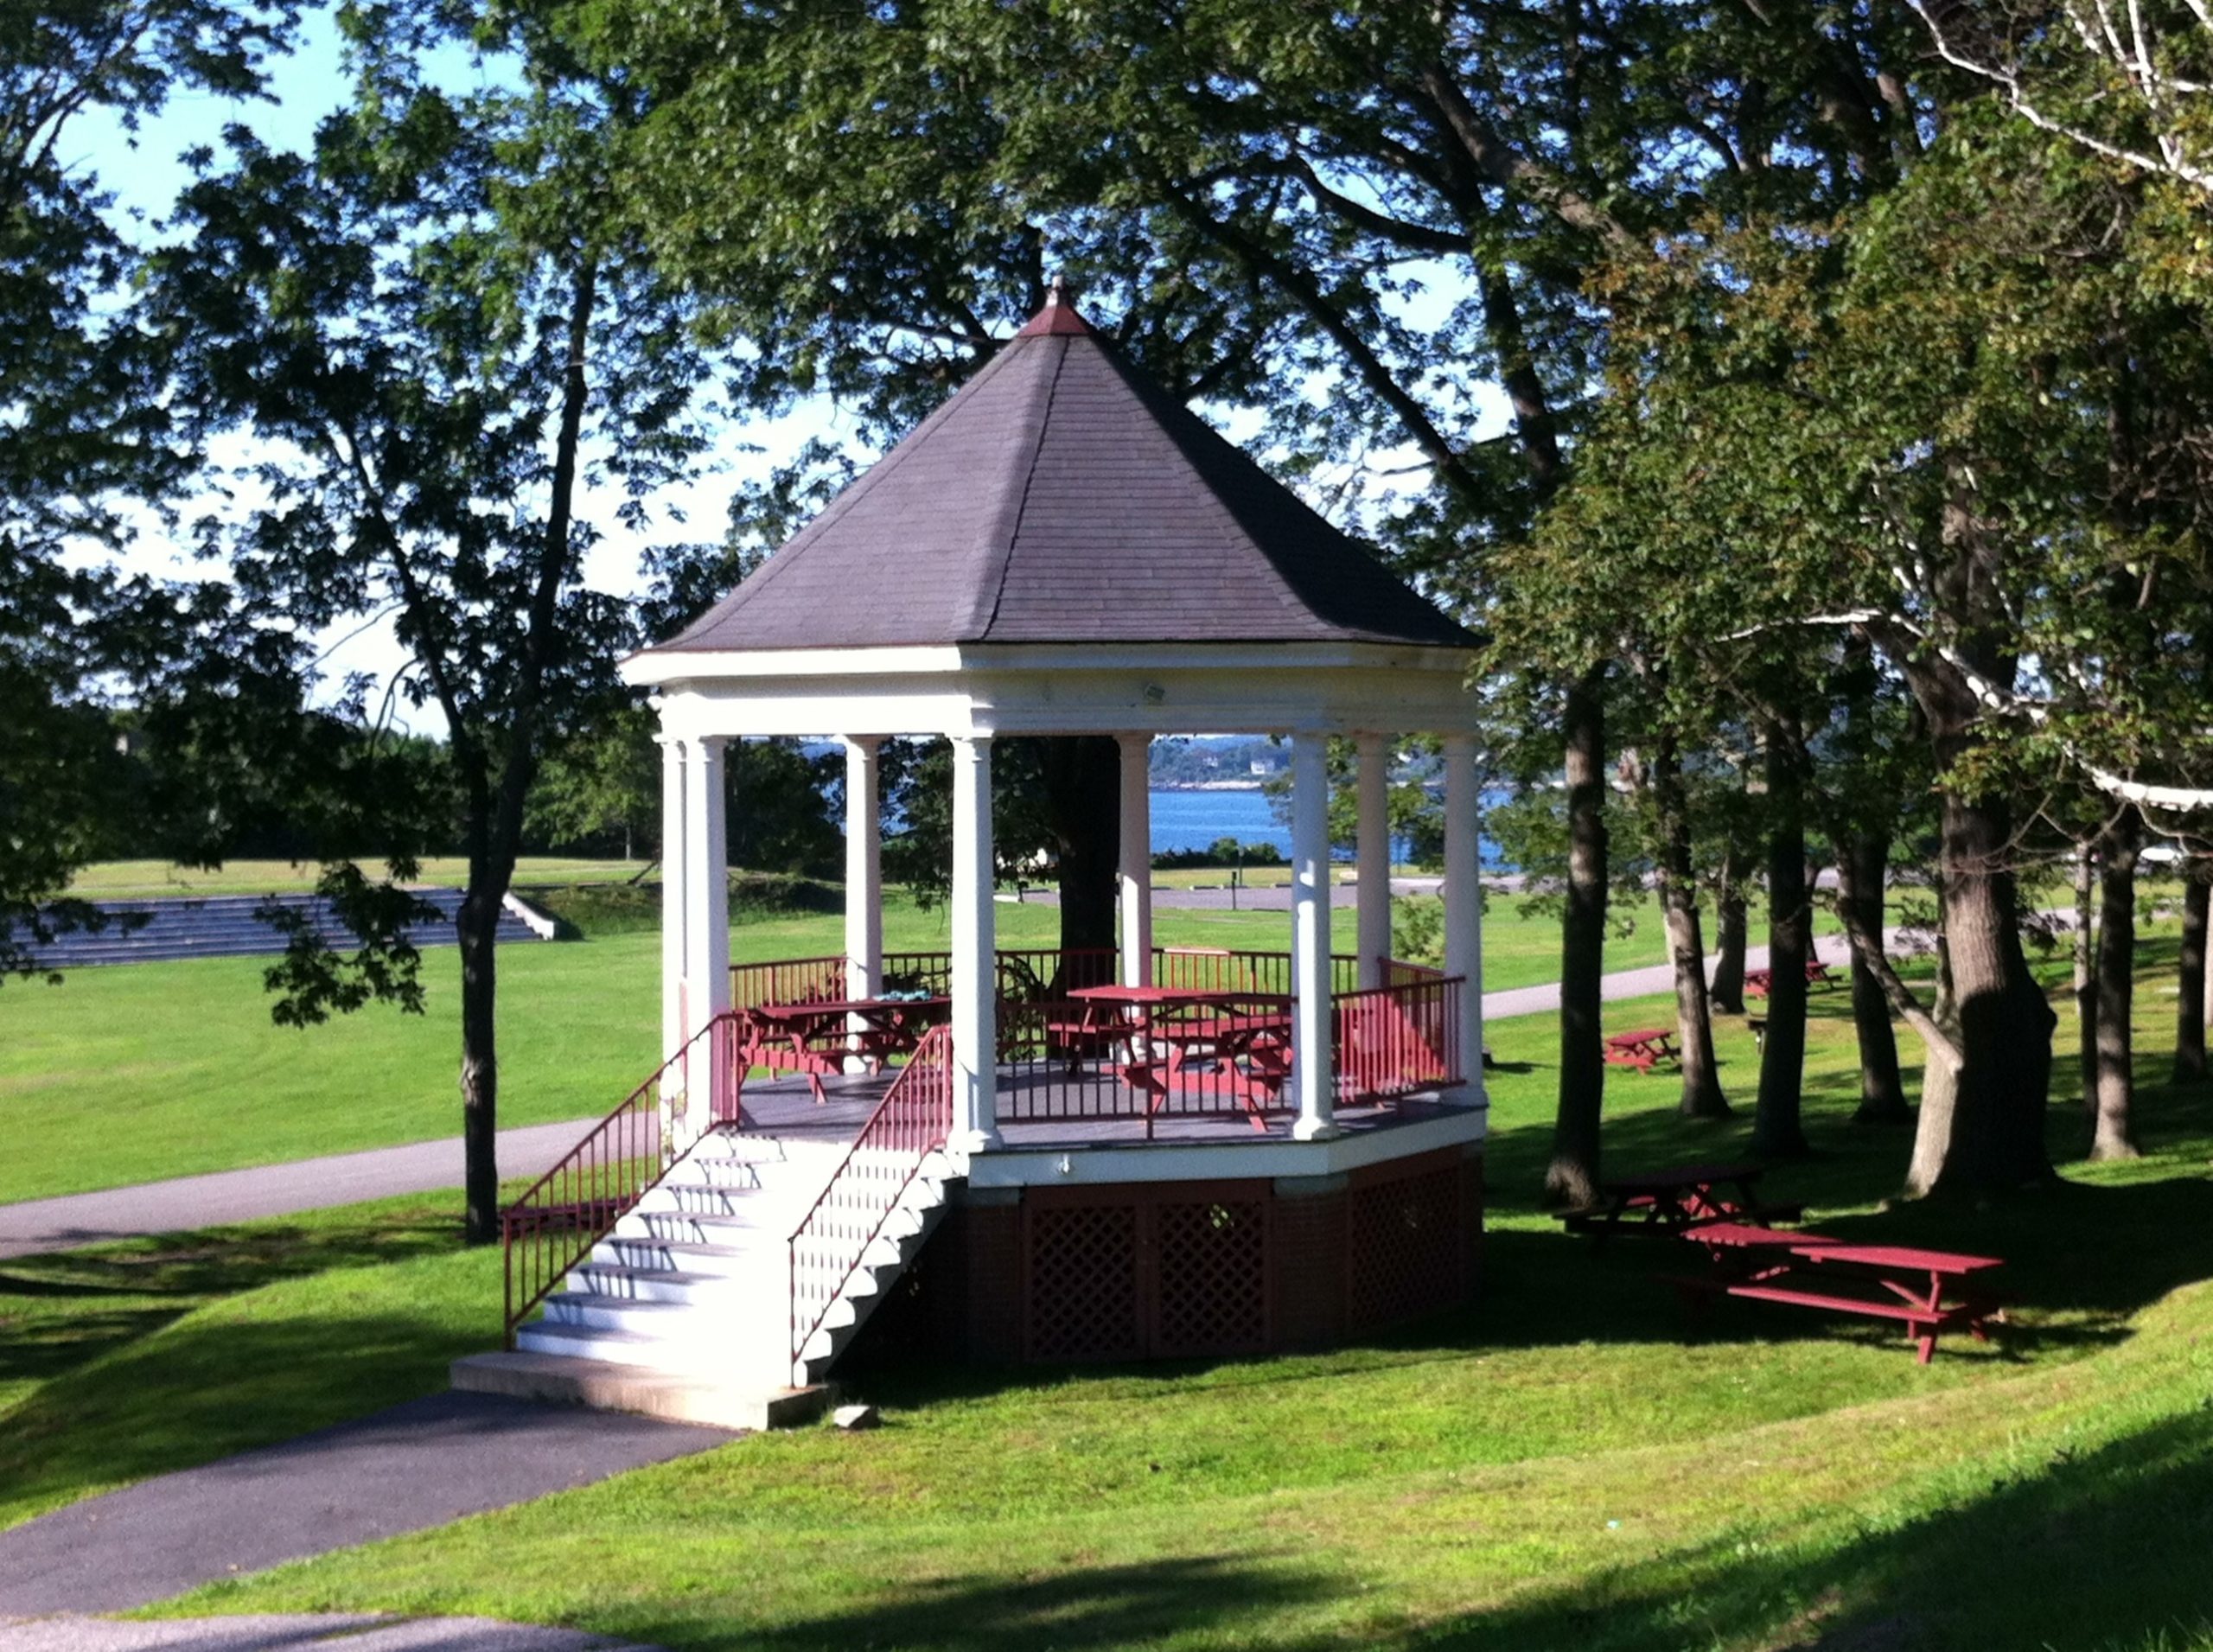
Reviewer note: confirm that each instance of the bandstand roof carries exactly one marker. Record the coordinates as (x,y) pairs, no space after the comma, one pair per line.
(1061,497)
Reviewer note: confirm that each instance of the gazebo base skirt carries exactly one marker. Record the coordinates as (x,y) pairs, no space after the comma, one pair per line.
(1115,1271)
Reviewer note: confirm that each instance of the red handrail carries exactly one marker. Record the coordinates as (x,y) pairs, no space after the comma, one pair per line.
(554,1225)
(909,1125)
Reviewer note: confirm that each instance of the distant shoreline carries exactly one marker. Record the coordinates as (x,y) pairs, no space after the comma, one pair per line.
(1207,785)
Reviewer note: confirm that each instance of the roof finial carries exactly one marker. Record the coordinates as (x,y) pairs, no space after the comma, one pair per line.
(1059,315)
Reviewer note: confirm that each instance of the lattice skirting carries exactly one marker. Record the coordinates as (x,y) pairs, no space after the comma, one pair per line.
(1179,1270)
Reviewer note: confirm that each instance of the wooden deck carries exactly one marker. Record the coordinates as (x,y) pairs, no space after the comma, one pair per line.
(785,1107)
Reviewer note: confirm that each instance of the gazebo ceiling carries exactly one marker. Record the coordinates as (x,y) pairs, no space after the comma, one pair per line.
(1060,497)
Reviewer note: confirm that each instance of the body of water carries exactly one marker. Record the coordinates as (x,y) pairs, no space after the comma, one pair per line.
(1196,819)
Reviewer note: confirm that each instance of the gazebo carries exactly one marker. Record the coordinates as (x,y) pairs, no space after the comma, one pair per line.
(1162,1152)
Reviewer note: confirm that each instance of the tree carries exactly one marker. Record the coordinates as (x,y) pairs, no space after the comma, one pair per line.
(85,431)
(440,329)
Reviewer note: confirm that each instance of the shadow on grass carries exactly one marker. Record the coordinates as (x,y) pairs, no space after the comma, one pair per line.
(2102,1550)
(1079,1607)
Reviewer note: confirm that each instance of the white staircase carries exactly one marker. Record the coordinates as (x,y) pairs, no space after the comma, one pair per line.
(686,1308)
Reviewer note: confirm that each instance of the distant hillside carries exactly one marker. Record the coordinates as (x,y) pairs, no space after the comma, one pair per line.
(1215,760)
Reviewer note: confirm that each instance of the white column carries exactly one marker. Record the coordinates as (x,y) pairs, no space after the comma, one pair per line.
(1463,901)
(1374,851)
(863,870)
(863,880)
(1311,1066)
(706,901)
(675,1026)
(1137,859)
(975,971)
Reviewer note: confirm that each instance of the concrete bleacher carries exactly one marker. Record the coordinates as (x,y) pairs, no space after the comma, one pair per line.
(223,926)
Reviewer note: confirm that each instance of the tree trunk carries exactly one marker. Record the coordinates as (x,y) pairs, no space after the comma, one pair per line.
(1727,992)
(2190,1017)
(1981,1127)
(1776,1130)
(1572,1177)
(1862,865)
(2086,973)
(1083,784)
(2113,1135)
(477,923)
(1702,1097)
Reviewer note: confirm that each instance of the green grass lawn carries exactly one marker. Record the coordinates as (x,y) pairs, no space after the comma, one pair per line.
(1572,1463)
(115,880)
(133,1073)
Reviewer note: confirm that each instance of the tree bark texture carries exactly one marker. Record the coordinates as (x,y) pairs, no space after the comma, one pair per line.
(2190,1016)
(1862,866)
(1572,1179)
(1776,1129)
(2113,1132)
(1981,1126)
(1083,784)
(477,923)
(1701,1097)
(1726,993)
(2086,972)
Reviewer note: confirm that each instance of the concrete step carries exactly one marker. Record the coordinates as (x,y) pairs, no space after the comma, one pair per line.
(556,1379)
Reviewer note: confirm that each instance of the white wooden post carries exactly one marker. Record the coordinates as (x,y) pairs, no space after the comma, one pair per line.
(1312,1063)
(1464,902)
(1136,858)
(675,1028)
(1374,851)
(864,878)
(706,924)
(975,965)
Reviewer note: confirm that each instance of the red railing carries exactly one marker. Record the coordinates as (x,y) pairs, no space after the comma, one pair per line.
(1208,969)
(831,1239)
(1394,1041)
(789,980)
(554,1225)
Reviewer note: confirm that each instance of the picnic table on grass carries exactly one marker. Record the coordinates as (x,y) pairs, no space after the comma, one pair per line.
(1679,1200)
(1643,1049)
(1165,1038)
(1926,1290)
(1759,982)
(815,1037)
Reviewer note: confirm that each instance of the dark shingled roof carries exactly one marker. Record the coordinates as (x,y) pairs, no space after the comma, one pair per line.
(1059,496)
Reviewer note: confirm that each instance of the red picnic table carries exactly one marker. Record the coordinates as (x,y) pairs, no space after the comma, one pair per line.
(1759,982)
(1677,1199)
(1902,1283)
(1236,1042)
(816,1036)
(1643,1048)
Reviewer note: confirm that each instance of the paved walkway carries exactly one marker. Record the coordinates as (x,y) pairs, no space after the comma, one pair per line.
(270,1190)
(1833,950)
(301,1632)
(423,1464)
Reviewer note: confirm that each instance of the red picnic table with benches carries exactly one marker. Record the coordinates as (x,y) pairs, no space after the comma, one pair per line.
(1672,1202)
(1902,1283)
(1160,1037)
(816,1036)
(1643,1048)
(1717,1207)
(1759,982)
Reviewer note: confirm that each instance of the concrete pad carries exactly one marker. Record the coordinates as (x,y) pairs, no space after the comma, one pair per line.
(329,1631)
(415,1465)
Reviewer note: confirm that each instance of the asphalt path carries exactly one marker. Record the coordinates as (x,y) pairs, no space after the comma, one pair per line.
(192,1201)
(423,1464)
